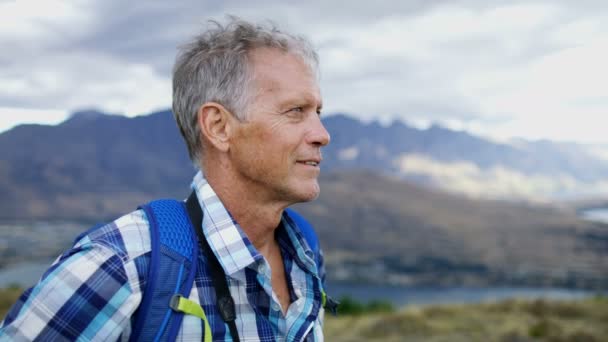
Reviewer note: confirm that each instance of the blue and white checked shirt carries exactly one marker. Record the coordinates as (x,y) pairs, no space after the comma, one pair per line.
(92,290)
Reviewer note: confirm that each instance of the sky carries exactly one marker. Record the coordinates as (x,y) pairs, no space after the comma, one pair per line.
(530,69)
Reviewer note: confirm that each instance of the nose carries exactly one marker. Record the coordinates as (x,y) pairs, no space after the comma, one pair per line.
(318,135)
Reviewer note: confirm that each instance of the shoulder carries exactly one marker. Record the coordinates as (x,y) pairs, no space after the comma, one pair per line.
(128,236)
(101,270)
(123,244)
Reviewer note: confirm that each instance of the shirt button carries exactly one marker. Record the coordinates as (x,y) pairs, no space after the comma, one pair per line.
(275,306)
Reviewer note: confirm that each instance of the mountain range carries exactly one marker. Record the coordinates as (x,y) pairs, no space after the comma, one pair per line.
(464,163)
(383,214)
(107,153)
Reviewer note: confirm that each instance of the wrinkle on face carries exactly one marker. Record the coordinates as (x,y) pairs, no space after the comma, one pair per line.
(268,147)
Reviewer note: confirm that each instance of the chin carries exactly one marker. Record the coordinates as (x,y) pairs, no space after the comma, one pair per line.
(311,197)
(308,193)
(312,194)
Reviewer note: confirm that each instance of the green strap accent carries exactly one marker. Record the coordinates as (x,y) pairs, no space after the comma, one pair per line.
(185,305)
(323,298)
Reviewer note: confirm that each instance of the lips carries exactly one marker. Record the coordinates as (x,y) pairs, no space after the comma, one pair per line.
(310,162)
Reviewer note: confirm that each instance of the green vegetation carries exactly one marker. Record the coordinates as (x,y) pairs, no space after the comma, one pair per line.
(8,297)
(506,321)
(350,306)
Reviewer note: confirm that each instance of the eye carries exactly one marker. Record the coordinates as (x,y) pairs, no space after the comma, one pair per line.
(295,112)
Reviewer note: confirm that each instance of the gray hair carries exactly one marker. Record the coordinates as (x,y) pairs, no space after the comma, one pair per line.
(215,67)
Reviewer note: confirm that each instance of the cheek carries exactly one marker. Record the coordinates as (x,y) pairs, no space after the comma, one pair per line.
(278,140)
(274,144)
(260,147)
(251,139)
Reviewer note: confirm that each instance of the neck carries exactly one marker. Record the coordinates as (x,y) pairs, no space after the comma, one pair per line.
(256,216)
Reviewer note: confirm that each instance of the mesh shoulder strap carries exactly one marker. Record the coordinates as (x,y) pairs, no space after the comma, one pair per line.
(313,242)
(307,231)
(170,271)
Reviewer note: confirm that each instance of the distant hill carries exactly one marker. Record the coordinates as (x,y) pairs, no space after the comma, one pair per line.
(91,166)
(381,229)
(463,163)
(376,225)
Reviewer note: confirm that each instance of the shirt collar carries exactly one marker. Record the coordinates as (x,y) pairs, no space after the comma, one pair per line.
(229,242)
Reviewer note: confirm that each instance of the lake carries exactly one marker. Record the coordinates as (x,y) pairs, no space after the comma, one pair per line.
(597,214)
(26,274)
(403,296)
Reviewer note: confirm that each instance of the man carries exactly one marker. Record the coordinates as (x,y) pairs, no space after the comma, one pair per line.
(247,101)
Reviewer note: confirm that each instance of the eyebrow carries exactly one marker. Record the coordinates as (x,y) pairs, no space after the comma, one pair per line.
(307,100)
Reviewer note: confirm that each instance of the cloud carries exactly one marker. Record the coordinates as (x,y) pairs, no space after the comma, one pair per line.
(496,182)
(29,116)
(75,80)
(525,68)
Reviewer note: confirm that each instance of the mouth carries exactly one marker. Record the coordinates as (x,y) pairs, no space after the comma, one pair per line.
(310,162)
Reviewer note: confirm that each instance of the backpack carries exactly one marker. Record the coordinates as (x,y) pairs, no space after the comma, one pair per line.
(165,299)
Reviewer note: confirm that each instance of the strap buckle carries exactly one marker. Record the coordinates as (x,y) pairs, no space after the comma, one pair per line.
(174,302)
(225,305)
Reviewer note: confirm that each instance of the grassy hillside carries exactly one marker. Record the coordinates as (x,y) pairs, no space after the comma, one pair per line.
(506,321)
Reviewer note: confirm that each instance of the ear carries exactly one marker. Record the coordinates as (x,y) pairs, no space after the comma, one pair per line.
(215,123)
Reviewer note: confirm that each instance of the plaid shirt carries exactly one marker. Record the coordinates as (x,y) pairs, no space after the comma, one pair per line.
(92,290)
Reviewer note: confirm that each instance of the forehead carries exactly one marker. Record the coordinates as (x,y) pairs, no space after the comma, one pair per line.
(275,71)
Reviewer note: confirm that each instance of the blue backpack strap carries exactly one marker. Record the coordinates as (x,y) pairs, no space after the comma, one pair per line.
(170,272)
(313,242)
(307,231)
